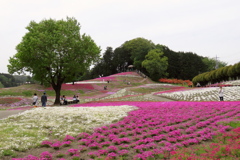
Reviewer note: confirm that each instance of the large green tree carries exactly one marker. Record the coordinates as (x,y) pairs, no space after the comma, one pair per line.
(138,49)
(54,52)
(156,64)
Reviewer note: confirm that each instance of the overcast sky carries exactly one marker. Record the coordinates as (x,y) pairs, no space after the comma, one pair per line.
(208,28)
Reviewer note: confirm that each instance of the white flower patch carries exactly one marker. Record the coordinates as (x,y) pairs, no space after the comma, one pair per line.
(204,94)
(235,82)
(31,127)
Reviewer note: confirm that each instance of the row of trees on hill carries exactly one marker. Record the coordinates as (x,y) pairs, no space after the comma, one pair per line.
(155,60)
(7,80)
(226,73)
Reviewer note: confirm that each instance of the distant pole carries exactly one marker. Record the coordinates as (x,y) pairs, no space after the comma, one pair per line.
(216,67)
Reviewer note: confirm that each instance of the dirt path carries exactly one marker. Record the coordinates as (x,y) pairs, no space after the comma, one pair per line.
(156,97)
(6,113)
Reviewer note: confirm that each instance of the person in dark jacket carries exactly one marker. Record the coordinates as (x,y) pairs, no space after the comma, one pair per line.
(44,99)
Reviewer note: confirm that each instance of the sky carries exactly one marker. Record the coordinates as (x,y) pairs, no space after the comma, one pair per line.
(209,28)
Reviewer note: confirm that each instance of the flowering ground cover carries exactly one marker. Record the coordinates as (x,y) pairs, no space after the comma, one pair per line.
(28,129)
(176,81)
(9,100)
(129,74)
(14,102)
(225,146)
(154,130)
(203,94)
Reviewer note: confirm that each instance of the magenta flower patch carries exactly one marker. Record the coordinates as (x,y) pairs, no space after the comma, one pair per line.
(155,128)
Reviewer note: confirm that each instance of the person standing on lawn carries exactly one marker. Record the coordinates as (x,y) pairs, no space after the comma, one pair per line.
(35,98)
(44,99)
(220,93)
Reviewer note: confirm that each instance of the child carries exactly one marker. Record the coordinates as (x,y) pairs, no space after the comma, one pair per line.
(35,98)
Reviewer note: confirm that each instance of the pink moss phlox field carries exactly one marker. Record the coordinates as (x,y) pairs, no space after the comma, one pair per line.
(225,146)
(109,78)
(155,128)
(9,100)
(126,73)
(13,102)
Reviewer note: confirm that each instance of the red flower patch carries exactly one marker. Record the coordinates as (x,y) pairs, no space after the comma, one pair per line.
(9,100)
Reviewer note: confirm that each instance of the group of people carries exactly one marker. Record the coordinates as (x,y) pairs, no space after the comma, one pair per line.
(63,100)
(43,99)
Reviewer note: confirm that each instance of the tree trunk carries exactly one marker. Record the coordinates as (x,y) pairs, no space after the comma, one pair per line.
(57,97)
(57,89)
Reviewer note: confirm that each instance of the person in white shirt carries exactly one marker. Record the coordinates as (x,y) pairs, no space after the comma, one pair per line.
(220,93)
(35,98)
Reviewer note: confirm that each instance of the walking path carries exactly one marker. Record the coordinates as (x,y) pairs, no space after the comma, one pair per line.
(6,113)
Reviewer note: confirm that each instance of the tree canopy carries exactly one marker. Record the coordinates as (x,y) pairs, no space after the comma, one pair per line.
(54,52)
(138,49)
(156,64)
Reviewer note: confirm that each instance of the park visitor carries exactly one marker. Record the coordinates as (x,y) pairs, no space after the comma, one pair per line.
(44,99)
(35,98)
(63,100)
(75,99)
(221,93)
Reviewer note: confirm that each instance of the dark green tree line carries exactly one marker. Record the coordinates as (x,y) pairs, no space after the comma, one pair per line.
(226,73)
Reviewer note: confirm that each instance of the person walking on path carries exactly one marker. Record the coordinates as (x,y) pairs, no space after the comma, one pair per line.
(44,99)
(220,93)
(35,98)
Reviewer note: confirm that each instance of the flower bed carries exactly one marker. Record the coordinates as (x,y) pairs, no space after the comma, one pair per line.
(130,74)
(9,100)
(152,130)
(202,94)
(29,128)
(14,102)
(225,146)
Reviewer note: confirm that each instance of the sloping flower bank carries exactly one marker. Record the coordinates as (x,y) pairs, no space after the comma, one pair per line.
(203,94)
(29,128)
(151,131)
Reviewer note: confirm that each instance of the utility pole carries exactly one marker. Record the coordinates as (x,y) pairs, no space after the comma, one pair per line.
(216,66)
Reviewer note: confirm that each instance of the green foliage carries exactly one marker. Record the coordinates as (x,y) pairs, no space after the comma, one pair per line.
(211,63)
(1,85)
(234,124)
(54,52)
(9,152)
(7,80)
(218,75)
(182,65)
(138,49)
(156,64)
(27,93)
